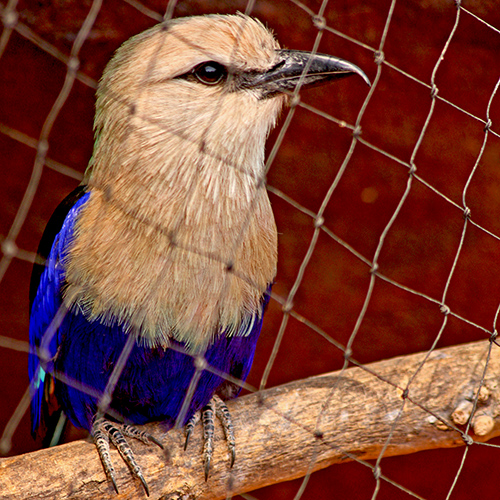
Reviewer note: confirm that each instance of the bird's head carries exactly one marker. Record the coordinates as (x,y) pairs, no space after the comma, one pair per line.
(213,84)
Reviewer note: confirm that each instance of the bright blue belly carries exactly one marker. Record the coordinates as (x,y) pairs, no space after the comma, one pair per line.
(154,382)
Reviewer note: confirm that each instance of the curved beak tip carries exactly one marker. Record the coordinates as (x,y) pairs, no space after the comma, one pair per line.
(365,78)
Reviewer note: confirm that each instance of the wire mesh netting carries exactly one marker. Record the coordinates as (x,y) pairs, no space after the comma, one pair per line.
(386,200)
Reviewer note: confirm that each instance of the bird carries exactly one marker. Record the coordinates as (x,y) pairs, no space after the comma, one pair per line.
(154,274)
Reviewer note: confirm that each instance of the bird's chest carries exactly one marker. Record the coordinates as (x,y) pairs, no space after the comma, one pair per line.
(165,277)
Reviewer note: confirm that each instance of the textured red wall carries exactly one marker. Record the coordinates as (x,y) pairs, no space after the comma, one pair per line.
(419,248)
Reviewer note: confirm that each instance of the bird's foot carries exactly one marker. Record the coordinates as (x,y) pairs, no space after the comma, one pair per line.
(215,407)
(103,431)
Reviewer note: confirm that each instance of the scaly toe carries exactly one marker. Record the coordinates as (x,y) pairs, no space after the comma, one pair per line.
(208,414)
(224,416)
(215,407)
(103,431)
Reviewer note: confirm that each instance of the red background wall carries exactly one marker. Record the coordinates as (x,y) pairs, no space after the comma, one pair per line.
(420,246)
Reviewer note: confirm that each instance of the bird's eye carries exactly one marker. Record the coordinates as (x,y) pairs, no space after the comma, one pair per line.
(210,73)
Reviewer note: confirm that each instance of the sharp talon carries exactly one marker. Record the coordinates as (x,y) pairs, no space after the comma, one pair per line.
(114,484)
(207,468)
(143,481)
(188,435)
(155,441)
(233,456)
(189,428)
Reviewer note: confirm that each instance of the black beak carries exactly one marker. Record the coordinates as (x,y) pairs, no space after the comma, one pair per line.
(285,75)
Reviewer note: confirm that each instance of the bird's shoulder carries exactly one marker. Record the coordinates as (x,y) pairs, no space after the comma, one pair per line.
(47,271)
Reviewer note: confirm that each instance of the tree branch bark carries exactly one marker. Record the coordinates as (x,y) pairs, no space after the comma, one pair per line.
(287,431)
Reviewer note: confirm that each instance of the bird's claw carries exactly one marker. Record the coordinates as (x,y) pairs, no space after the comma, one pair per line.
(145,437)
(188,429)
(103,431)
(227,424)
(215,407)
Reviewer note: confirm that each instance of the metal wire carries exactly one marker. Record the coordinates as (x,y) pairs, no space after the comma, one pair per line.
(373,265)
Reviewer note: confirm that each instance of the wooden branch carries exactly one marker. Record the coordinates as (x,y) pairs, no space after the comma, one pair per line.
(284,432)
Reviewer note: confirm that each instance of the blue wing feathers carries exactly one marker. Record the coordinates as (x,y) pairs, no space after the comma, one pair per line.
(46,301)
(153,383)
